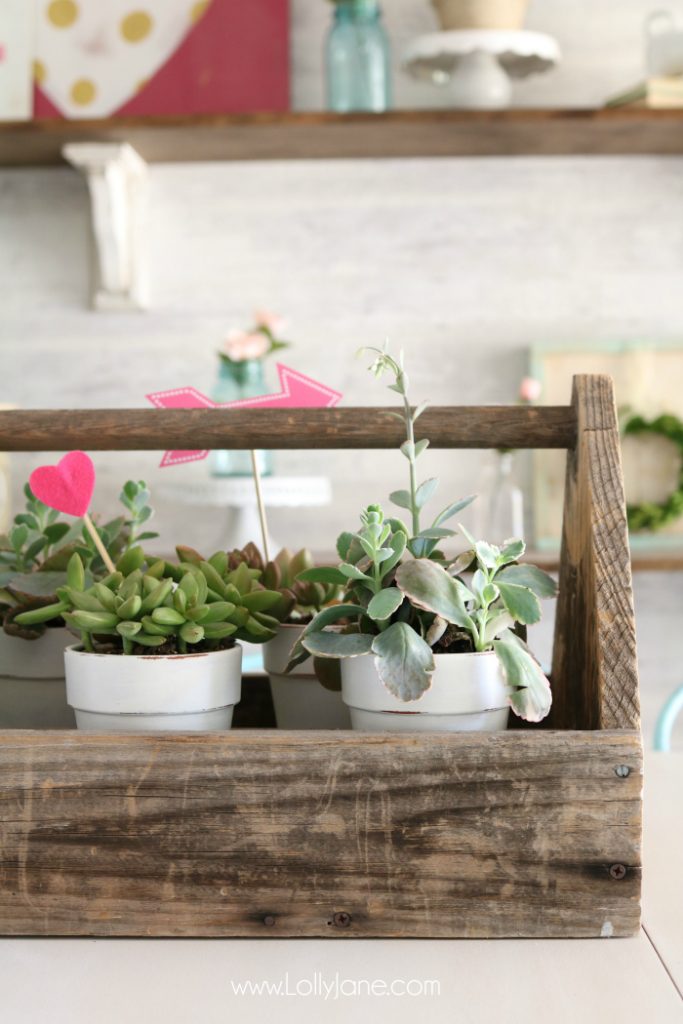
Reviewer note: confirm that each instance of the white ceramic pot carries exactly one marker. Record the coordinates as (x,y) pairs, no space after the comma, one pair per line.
(468,694)
(481,14)
(141,693)
(32,687)
(299,699)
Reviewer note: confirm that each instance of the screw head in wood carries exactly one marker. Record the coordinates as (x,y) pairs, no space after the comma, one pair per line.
(617,871)
(341,919)
(622,770)
(269,920)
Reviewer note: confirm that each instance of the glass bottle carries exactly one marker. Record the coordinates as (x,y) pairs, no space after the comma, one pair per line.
(358,58)
(244,379)
(499,508)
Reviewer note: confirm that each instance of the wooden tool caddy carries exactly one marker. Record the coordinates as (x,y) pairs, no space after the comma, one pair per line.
(530,832)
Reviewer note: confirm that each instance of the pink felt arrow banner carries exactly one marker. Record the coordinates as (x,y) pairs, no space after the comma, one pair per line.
(297,392)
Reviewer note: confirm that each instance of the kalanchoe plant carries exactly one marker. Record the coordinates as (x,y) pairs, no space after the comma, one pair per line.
(35,552)
(402,609)
(169,609)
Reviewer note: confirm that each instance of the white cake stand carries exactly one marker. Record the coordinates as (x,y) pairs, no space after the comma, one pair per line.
(480,63)
(236,494)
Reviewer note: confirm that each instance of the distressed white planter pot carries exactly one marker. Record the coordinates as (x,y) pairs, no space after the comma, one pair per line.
(141,693)
(455,15)
(299,699)
(32,687)
(468,694)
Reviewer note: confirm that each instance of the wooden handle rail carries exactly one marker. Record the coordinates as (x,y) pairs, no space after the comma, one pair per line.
(159,429)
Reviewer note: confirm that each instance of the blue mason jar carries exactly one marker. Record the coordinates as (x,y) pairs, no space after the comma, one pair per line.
(358,58)
(244,379)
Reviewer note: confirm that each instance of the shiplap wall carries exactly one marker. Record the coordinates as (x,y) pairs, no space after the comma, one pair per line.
(464,263)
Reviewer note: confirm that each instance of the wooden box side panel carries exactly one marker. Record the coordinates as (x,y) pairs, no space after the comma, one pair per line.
(595,669)
(320,834)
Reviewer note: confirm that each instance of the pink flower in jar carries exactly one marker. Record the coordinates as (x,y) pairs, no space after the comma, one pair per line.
(272,322)
(529,390)
(241,345)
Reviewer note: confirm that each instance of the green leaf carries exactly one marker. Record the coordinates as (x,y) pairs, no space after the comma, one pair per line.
(167,617)
(149,641)
(512,550)
(428,586)
(92,622)
(218,630)
(43,614)
(400,498)
(36,584)
(131,560)
(352,572)
(343,545)
(191,633)
(420,446)
(337,645)
(425,491)
(130,608)
(419,410)
(452,510)
(408,449)
(56,532)
(398,545)
(129,629)
(522,603)
(529,695)
(326,617)
(75,573)
(385,603)
(496,625)
(260,600)
(404,661)
(436,533)
(239,578)
(529,576)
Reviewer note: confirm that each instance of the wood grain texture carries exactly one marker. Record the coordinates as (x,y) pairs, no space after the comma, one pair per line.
(508,834)
(595,672)
(159,429)
(406,133)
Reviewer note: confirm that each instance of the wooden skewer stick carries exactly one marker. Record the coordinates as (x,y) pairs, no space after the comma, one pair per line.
(90,526)
(261,506)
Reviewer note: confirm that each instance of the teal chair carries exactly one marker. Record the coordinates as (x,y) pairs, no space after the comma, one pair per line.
(667,717)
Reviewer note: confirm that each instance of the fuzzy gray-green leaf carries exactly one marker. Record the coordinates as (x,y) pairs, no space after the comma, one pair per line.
(385,603)
(522,603)
(428,586)
(337,645)
(404,661)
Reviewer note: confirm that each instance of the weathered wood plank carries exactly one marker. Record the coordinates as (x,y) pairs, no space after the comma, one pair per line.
(595,672)
(158,429)
(311,834)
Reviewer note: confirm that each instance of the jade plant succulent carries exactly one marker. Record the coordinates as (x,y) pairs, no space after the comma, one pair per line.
(300,599)
(36,550)
(405,600)
(171,609)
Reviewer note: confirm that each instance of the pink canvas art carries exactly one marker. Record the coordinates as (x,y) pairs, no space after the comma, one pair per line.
(107,58)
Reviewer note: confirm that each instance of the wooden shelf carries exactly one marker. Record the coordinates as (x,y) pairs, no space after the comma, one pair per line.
(407,133)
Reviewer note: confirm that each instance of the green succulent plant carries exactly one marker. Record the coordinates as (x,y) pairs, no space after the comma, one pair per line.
(168,608)
(404,599)
(300,599)
(36,550)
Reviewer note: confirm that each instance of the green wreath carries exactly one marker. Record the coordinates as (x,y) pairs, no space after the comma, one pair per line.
(650,515)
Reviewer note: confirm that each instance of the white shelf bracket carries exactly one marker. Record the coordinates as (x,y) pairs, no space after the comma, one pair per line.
(117,183)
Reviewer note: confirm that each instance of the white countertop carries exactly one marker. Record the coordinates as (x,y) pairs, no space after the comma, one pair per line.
(190,981)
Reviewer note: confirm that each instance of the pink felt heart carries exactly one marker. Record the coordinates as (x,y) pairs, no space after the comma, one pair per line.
(68,486)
